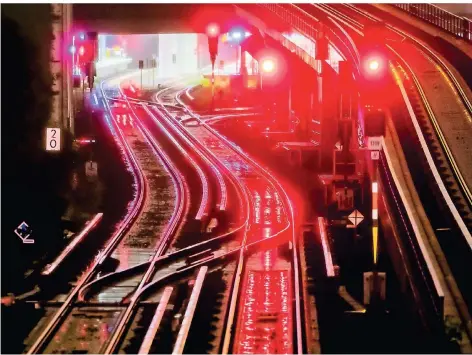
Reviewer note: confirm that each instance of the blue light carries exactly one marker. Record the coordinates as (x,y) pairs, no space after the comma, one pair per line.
(236,35)
(82,36)
(72,49)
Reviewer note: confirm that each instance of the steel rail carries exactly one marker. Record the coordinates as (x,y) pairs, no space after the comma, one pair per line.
(130,218)
(172,227)
(442,141)
(457,87)
(287,206)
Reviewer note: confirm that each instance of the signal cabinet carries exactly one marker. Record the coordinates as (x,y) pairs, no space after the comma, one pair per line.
(374,122)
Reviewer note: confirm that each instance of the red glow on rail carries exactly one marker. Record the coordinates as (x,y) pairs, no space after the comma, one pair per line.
(265,321)
(203,209)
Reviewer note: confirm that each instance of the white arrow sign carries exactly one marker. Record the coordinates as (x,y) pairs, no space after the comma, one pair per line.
(355,218)
(23,231)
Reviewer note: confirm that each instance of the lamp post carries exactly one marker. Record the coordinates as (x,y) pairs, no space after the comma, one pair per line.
(213,33)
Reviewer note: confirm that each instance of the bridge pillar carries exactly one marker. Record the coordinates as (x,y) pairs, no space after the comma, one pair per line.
(102,46)
(60,66)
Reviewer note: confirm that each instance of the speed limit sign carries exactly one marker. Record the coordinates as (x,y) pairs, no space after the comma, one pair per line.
(53,139)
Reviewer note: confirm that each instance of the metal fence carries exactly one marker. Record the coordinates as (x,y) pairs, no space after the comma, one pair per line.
(309,26)
(456,25)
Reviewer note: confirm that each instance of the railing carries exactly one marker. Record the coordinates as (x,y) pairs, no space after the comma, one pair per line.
(309,26)
(456,25)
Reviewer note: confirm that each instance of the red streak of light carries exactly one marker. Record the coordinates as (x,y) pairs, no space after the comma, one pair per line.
(264,324)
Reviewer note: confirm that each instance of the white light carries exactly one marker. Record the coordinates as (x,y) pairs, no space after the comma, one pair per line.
(213,30)
(237,35)
(375,187)
(374,64)
(247,34)
(375,214)
(268,65)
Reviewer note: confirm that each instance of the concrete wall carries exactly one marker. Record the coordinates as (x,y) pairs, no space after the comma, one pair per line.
(108,68)
(177,54)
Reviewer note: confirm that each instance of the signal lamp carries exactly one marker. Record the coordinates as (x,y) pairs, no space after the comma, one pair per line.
(268,65)
(213,30)
(374,64)
(236,35)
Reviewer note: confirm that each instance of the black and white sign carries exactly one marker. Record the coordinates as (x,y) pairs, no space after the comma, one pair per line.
(374,143)
(53,139)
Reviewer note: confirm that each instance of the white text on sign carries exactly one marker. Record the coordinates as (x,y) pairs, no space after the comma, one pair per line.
(53,139)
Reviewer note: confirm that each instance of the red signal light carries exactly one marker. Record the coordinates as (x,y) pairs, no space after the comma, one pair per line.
(213,30)
(268,65)
(82,50)
(374,65)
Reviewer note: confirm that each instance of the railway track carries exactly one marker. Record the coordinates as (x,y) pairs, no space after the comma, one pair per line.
(451,156)
(444,164)
(271,216)
(258,187)
(163,120)
(64,316)
(250,188)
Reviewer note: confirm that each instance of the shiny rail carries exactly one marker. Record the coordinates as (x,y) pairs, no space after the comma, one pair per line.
(133,213)
(181,206)
(291,227)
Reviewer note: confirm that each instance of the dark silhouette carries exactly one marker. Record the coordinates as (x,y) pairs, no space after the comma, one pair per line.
(35,183)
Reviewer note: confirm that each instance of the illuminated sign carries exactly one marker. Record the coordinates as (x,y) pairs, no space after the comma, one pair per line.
(53,139)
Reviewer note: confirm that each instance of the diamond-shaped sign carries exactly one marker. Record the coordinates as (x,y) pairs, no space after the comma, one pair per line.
(355,218)
(24,231)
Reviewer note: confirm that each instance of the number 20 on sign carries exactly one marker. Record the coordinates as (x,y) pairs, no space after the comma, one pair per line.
(53,139)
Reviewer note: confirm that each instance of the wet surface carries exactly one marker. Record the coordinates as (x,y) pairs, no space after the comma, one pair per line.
(265,322)
(258,330)
(141,241)
(86,330)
